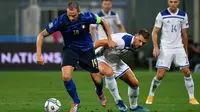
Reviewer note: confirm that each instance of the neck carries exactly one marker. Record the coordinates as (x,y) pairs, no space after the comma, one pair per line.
(173,11)
(106,12)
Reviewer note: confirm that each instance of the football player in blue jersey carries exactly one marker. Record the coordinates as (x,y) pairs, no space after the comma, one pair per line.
(77,48)
(112,66)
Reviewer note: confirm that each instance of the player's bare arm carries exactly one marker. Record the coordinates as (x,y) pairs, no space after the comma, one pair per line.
(40,39)
(111,43)
(185,39)
(100,43)
(92,32)
(121,28)
(155,42)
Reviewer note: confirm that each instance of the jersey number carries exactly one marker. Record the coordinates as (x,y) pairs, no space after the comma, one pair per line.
(174,28)
(76,32)
(94,62)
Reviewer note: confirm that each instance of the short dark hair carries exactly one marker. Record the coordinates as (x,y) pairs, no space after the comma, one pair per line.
(73,5)
(144,33)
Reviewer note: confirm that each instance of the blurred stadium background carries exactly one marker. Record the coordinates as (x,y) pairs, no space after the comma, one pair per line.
(25,86)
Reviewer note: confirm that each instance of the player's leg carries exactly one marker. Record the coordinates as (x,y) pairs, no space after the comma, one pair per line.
(182,61)
(68,63)
(133,91)
(111,83)
(155,84)
(88,62)
(189,84)
(163,63)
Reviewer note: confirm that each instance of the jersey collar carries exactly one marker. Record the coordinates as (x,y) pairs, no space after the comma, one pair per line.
(173,13)
(109,12)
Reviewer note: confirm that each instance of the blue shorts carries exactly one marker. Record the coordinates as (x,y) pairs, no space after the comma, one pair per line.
(86,59)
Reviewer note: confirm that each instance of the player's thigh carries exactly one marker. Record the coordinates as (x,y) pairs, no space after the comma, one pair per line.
(181,59)
(69,57)
(105,69)
(165,59)
(88,61)
(119,68)
(130,79)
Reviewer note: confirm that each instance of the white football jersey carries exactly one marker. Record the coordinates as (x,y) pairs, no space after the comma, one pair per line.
(112,18)
(123,41)
(172,24)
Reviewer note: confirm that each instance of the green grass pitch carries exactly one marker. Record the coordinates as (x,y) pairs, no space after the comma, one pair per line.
(28,91)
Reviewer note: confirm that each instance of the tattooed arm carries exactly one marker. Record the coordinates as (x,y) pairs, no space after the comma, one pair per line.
(40,39)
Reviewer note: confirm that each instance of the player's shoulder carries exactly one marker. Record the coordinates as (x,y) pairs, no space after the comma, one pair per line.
(113,13)
(62,19)
(121,35)
(164,12)
(100,14)
(181,13)
(86,15)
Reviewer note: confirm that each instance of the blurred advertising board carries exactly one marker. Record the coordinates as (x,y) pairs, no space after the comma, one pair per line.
(22,56)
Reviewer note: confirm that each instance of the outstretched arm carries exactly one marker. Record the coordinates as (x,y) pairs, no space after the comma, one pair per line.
(121,28)
(100,43)
(40,39)
(111,43)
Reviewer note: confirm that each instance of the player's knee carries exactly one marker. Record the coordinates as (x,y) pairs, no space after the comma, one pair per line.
(108,72)
(135,84)
(66,76)
(160,75)
(186,72)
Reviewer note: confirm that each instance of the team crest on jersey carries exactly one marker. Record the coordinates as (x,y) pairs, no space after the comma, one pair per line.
(83,26)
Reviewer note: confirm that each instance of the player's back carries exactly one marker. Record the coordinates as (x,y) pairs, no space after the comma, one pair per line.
(123,41)
(172,24)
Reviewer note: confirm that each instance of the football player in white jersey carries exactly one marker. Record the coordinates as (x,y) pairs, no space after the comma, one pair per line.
(111,17)
(173,47)
(112,66)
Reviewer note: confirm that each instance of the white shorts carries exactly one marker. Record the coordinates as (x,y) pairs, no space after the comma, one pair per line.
(118,68)
(177,55)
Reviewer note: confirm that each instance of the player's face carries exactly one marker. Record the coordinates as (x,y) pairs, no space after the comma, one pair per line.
(173,5)
(73,15)
(106,5)
(139,41)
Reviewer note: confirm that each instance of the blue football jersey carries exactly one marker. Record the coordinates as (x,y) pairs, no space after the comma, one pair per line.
(76,34)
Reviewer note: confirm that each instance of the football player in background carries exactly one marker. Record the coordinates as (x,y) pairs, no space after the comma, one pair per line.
(173,47)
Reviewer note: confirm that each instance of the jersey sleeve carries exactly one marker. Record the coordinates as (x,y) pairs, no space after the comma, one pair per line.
(53,26)
(93,19)
(94,25)
(117,20)
(119,41)
(158,22)
(185,23)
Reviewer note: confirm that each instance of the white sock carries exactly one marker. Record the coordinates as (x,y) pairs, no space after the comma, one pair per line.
(154,85)
(112,86)
(189,86)
(133,96)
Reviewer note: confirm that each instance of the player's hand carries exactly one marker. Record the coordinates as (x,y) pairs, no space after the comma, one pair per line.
(112,44)
(156,52)
(40,60)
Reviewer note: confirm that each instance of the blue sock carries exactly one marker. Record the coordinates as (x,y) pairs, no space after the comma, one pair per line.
(71,89)
(99,88)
